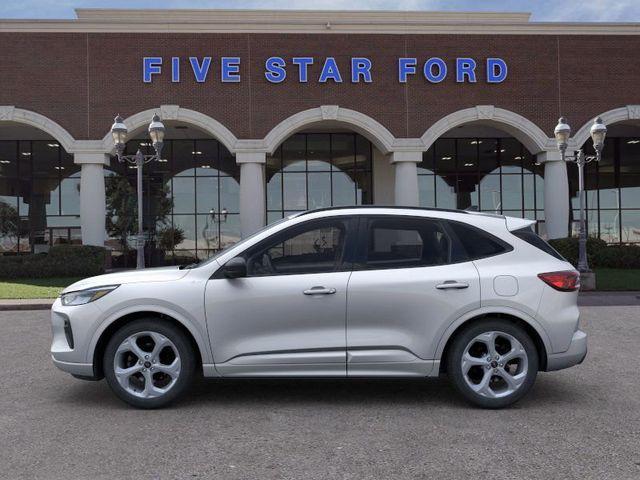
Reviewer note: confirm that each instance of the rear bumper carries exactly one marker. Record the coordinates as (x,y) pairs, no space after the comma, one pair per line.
(575,354)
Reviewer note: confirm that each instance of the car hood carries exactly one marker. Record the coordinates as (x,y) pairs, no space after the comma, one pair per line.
(162,274)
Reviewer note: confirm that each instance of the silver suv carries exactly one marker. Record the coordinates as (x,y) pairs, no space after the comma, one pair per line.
(339,292)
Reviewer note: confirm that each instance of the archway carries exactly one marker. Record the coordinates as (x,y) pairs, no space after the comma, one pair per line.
(138,123)
(324,157)
(191,196)
(39,184)
(480,165)
(525,131)
(612,185)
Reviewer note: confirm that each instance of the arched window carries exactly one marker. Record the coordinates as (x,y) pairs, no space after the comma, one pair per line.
(496,175)
(612,189)
(39,196)
(314,170)
(201,181)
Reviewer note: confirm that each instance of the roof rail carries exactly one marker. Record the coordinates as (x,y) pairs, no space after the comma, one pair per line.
(395,207)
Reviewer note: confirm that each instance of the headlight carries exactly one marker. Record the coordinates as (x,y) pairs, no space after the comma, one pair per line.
(81,297)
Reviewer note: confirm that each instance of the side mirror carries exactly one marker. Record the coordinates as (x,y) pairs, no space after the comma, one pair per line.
(235,268)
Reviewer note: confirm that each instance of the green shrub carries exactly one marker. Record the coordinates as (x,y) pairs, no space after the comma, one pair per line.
(618,256)
(61,261)
(568,248)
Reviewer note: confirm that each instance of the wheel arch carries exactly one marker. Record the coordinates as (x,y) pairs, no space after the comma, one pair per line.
(528,324)
(109,328)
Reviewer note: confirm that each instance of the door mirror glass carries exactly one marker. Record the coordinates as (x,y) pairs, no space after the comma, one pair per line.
(235,268)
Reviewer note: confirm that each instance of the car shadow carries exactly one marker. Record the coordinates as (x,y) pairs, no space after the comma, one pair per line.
(363,392)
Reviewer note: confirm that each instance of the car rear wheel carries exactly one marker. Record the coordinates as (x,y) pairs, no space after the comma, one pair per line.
(492,363)
(149,363)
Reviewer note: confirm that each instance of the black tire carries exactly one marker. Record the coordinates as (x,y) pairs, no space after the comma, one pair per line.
(464,337)
(182,344)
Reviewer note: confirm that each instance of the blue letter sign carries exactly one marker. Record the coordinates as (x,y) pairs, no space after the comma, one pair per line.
(496,70)
(151,66)
(428,70)
(330,71)
(434,69)
(275,69)
(200,71)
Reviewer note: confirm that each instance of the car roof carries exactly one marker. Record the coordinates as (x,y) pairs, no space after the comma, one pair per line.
(395,209)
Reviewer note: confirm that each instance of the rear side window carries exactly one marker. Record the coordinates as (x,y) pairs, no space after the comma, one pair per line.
(405,243)
(528,235)
(478,243)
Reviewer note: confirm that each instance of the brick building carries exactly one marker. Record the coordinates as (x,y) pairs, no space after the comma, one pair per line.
(273,112)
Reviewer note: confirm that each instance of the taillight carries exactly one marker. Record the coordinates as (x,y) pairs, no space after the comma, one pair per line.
(567,281)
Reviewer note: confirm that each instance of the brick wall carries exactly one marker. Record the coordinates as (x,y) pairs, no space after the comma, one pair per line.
(82,80)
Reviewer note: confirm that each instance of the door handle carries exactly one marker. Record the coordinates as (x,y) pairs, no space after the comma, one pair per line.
(320,291)
(452,285)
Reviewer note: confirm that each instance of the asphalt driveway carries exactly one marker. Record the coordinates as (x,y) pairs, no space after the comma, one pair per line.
(579,423)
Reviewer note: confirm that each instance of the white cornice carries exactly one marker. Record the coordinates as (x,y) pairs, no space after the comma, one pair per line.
(301,21)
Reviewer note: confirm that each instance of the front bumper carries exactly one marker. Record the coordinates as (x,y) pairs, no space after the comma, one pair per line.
(574,355)
(76,369)
(72,329)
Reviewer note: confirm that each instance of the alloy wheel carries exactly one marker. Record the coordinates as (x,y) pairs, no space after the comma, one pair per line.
(494,364)
(147,364)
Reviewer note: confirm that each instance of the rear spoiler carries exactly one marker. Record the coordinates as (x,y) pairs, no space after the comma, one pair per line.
(515,223)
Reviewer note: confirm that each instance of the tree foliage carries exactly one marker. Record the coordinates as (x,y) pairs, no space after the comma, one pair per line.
(122,209)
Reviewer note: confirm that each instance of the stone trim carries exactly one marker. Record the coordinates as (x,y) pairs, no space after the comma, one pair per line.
(382,138)
(10,113)
(629,112)
(308,21)
(177,113)
(532,136)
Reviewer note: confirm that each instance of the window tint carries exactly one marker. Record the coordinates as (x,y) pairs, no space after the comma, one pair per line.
(315,248)
(478,243)
(528,235)
(403,243)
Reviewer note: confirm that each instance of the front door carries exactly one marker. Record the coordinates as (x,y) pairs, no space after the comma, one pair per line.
(288,315)
(410,282)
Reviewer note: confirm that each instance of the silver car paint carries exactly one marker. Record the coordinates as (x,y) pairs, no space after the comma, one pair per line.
(292,332)
(245,330)
(402,309)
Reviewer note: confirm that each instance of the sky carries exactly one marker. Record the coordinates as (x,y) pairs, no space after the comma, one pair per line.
(542,10)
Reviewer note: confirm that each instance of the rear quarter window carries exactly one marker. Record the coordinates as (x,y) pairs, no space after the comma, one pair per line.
(476,242)
(528,235)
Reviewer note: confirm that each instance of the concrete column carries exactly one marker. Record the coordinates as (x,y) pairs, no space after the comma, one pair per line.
(556,194)
(92,197)
(252,191)
(406,184)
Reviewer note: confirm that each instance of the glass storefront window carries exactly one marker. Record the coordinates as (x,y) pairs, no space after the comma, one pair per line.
(315,170)
(39,196)
(201,179)
(612,188)
(496,175)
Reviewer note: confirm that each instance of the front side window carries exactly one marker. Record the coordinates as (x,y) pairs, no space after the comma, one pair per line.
(314,248)
(406,243)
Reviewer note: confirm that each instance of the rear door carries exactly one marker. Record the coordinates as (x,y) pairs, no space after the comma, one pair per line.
(411,280)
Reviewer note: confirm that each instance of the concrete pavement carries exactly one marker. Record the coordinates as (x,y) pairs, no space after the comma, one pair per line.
(578,423)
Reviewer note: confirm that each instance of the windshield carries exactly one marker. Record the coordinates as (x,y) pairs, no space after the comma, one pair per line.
(241,242)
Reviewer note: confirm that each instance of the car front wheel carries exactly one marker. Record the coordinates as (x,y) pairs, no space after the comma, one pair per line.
(492,363)
(149,363)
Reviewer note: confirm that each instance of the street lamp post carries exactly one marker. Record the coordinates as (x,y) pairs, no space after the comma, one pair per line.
(562,133)
(119,133)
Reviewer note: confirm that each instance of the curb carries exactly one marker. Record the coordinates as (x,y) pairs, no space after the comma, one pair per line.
(18,305)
